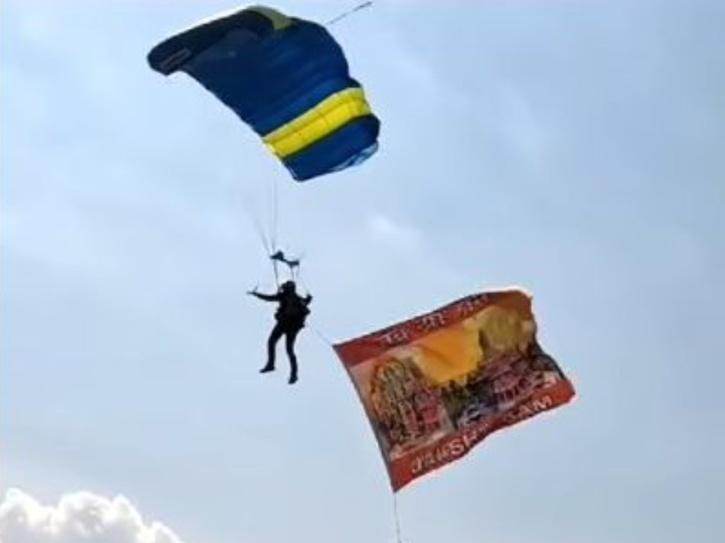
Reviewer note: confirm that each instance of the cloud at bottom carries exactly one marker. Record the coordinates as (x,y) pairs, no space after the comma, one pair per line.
(77,517)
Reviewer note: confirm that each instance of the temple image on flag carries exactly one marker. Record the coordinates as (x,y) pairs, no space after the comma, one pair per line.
(436,385)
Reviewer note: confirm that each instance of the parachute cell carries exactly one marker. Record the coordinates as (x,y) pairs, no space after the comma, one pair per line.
(285,77)
(435,386)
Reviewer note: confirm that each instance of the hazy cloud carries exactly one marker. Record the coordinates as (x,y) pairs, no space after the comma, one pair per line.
(80,517)
(394,233)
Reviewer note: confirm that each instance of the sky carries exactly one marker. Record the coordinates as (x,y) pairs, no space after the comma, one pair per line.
(571,147)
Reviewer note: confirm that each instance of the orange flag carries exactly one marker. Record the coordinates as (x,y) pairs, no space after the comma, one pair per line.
(436,385)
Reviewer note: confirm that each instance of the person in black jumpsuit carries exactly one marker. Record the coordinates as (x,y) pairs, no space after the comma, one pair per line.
(291,314)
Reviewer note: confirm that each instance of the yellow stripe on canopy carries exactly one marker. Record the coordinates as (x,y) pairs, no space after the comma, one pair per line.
(332,113)
(279,20)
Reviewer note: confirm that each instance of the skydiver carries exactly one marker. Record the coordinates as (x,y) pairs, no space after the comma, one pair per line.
(290,315)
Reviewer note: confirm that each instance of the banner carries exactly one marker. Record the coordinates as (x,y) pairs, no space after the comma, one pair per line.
(436,385)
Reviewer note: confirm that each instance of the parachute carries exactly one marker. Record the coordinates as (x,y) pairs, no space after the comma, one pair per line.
(285,77)
(436,385)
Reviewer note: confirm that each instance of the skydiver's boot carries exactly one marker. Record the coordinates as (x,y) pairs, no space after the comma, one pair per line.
(267,368)
(293,369)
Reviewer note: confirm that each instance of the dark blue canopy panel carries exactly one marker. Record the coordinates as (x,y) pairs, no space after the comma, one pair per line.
(285,77)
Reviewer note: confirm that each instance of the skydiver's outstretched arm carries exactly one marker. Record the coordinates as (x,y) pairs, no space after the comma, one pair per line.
(307,299)
(265,297)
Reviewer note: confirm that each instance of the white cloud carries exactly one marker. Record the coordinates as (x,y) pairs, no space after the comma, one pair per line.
(77,518)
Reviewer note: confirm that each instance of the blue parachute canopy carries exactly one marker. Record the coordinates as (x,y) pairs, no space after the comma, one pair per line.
(285,77)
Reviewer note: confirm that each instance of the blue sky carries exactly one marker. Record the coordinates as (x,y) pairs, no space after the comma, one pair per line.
(574,148)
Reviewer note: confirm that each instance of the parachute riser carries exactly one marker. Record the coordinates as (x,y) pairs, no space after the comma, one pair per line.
(341,16)
(293,266)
